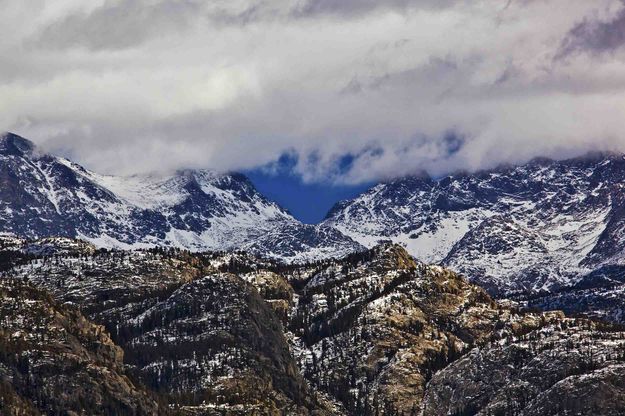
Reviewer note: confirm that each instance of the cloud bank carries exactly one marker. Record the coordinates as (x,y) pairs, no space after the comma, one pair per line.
(392,86)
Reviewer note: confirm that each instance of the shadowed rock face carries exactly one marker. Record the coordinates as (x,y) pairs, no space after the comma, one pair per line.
(214,340)
(14,145)
(53,360)
(567,367)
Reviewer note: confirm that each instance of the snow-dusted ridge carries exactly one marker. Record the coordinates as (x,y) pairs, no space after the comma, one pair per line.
(197,210)
(537,227)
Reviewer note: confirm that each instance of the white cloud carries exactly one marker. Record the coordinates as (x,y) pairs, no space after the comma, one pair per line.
(136,85)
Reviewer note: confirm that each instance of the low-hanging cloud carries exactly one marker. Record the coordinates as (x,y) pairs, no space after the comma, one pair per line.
(396,86)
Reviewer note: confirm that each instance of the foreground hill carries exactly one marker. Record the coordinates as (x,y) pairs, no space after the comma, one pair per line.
(569,367)
(372,333)
(191,334)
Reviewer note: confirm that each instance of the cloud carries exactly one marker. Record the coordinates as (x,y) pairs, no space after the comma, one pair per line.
(352,8)
(118,25)
(122,24)
(353,91)
(596,36)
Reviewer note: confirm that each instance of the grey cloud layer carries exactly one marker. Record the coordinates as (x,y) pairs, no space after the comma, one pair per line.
(400,85)
(596,36)
(126,23)
(118,25)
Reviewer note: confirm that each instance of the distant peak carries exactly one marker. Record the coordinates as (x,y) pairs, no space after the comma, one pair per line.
(12,144)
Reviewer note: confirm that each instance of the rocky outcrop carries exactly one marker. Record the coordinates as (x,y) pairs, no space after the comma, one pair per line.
(570,366)
(374,328)
(54,361)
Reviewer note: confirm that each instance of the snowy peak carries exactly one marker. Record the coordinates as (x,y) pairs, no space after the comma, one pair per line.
(534,227)
(47,196)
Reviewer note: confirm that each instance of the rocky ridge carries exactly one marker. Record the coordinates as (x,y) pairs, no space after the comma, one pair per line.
(570,366)
(371,333)
(546,232)
(54,361)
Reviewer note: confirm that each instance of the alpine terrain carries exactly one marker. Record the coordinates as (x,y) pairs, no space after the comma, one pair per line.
(494,293)
(312,208)
(165,331)
(549,232)
(46,196)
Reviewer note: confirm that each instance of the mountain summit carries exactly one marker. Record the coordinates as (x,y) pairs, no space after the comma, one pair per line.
(44,195)
(536,227)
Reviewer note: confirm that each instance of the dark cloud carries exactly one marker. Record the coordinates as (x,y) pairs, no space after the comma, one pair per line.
(350,8)
(595,36)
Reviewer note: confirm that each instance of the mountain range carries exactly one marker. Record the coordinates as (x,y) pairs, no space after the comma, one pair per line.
(45,196)
(498,292)
(539,228)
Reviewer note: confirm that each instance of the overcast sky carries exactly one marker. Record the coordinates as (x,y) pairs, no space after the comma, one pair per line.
(396,86)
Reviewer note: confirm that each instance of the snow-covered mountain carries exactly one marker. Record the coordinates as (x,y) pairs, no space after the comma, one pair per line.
(42,196)
(540,226)
(378,332)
